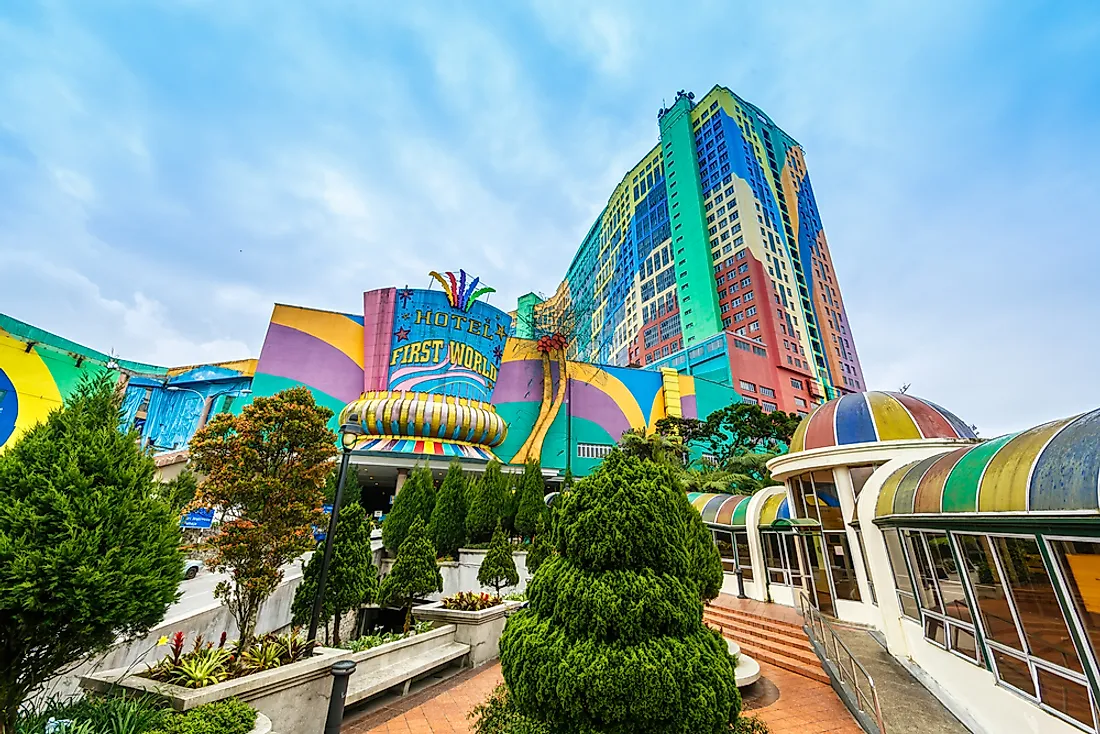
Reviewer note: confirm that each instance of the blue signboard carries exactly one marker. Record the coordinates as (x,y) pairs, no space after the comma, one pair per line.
(201,519)
(447,343)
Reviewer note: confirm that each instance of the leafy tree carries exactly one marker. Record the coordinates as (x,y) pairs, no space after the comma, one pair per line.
(489,498)
(266,469)
(352,491)
(541,546)
(613,637)
(499,568)
(448,524)
(530,499)
(178,493)
(750,473)
(415,572)
(416,499)
(662,449)
(743,428)
(687,430)
(88,554)
(352,578)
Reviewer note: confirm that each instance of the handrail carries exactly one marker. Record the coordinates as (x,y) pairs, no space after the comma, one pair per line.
(848,668)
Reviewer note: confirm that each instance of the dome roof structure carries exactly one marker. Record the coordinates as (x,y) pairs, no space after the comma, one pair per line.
(870,417)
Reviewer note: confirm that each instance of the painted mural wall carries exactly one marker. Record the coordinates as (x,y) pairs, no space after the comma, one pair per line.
(602,402)
(40,370)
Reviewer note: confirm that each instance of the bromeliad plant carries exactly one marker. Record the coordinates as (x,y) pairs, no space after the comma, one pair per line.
(470,601)
(207,665)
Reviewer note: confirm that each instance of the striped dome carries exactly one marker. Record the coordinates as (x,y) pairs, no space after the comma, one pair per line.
(869,417)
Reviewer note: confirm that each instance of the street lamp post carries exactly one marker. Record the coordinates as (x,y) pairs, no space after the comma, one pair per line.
(349,433)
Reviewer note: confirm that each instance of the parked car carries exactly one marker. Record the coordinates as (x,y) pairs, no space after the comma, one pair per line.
(191,569)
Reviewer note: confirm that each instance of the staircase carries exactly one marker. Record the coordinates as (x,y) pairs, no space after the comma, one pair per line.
(778,643)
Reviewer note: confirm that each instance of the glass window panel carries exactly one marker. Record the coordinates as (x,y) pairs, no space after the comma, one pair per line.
(860,475)
(963,642)
(863,555)
(744,559)
(927,591)
(1080,562)
(948,577)
(840,563)
(724,541)
(828,504)
(901,574)
(792,559)
(1036,603)
(933,630)
(800,489)
(1013,671)
(1071,698)
(773,557)
(990,594)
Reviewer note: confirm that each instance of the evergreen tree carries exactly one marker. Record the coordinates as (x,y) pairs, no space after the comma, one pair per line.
(488,504)
(416,499)
(613,637)
(530,499)
(448,524)
(88,553)
(179,492)
(352,578)
(499,568)
(352,491)
(541,547)
(415,573)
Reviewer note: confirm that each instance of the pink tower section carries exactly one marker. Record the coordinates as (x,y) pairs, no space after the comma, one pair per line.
(377,337)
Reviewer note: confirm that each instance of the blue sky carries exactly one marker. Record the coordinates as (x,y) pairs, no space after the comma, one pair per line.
(170,168)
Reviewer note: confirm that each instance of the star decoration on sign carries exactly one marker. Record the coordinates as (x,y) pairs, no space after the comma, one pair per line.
(501,331)
(406,316)
(402,334)
(404,294)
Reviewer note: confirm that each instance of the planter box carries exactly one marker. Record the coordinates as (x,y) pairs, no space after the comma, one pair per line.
(480,630)
(294,697)
(398,664)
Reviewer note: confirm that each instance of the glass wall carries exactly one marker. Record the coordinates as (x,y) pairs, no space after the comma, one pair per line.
(839,555)
(998,587)
(733,548)
(724,540)
(744,558)
(781,557)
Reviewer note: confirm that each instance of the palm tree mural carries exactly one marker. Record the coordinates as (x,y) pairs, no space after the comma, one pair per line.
(552,348)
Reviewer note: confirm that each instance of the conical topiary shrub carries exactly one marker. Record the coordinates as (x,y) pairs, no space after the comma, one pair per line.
(415,573)
(488,503)
(613,638)
(447,528)
(416,499)
(498,569)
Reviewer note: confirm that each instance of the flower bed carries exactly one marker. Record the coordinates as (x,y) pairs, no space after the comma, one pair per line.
(143,715)
(206,664)
(479,629)
(470,601)
(375,639)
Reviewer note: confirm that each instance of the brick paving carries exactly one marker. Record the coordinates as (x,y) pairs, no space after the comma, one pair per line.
(789,703)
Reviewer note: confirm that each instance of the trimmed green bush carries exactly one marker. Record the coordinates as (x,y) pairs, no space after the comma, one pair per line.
(416,498)
(447,528)
(221,717)
(488,503)
(530,500)
(541,546)
(613,638)
(415,573)
(499,568)
(352,577)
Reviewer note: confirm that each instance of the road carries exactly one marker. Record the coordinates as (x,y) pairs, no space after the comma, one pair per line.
(198,593)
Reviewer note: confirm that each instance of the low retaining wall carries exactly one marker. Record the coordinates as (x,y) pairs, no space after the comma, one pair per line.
(461,575)
(210,621)
(480,630)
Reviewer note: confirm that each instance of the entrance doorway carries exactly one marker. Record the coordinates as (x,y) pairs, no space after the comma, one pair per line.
(820,583)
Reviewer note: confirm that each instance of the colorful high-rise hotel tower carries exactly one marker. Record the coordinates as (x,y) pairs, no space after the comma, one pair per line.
(710,257)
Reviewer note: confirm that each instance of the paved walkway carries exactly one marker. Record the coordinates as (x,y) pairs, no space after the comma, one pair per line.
(907,706)
(789,703)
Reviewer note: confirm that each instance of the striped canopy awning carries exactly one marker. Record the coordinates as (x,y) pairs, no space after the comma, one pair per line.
(720,509)
(1052,468)
(775,508)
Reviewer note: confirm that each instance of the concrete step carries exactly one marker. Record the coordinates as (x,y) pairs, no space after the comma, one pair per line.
(782,644)
(796,649)
(752,620)
(738,629)
(367,683)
